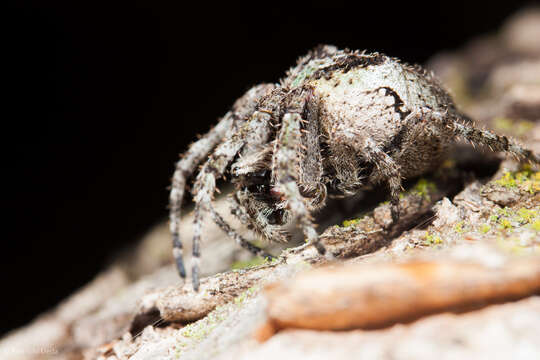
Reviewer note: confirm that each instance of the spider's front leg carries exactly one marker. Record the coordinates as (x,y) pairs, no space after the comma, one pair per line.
(199,150)
(184,168)
(255,130)
(285,168)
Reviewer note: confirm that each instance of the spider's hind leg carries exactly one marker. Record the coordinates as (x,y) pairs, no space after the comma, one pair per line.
(495,142)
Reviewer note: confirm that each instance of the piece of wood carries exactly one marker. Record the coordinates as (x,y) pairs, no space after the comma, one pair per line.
(377,295)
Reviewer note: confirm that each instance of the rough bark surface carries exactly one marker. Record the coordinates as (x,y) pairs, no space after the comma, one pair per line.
(457,277)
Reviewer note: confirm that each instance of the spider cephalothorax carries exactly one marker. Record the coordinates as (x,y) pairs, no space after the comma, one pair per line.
(339,122)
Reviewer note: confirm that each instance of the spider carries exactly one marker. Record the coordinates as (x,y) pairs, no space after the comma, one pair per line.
(338,123)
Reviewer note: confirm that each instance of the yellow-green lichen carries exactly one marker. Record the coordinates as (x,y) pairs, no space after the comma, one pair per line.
(507,218)
(240,299)
(524,180)
(484,228)
(505,224)
(459,228)
(513,127)
(432,239)
(525,215)
(255,261)
(200,330)
(423,188)
(351,222)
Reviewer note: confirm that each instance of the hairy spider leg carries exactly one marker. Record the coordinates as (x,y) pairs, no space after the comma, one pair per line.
(184,168)
(389,170)
(385,167)
(215,167)
(494,142)
(285,164)
(195,155)
(310,179)
(257,251)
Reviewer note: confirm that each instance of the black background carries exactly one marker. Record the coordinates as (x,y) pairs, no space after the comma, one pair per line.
(103,96)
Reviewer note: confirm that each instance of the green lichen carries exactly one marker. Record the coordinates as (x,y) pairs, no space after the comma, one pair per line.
(432,239)
(459,227)
(525,215)
(525,180)
(507,181)
(255,261)
(200,330)
(485,228)
(513,127)
(536,225)
(506,211)
(523,127)
(503,124)
(508,218)
(505,224)
(423,188)
(304,74)
(515,229)
(351,222)
(240,299)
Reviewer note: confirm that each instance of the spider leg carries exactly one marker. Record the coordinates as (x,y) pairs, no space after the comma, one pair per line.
(285,170)
(495,142)
(385,168)
(238,210)
(215,167)
(311,164)
(184,168)
(195,154)
(255,250)
(389,170)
